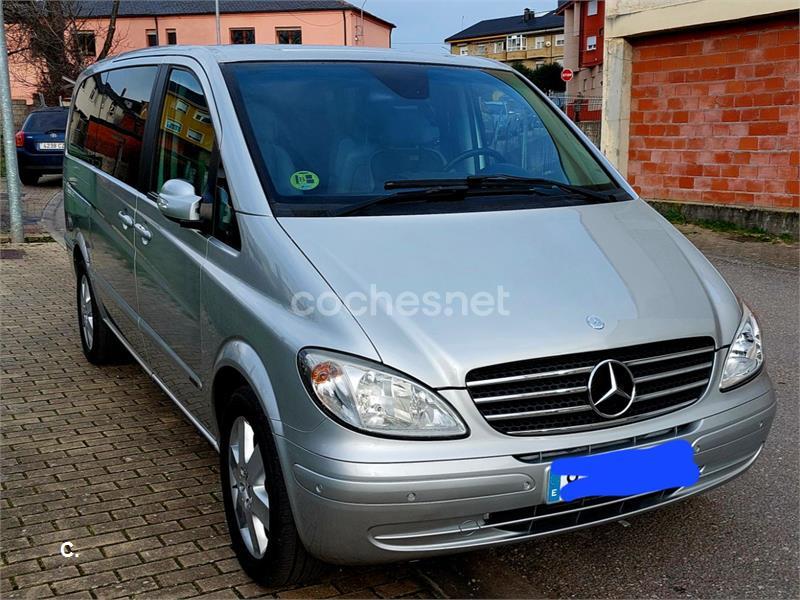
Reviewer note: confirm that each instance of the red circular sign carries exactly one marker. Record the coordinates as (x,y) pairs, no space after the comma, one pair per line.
(567,75)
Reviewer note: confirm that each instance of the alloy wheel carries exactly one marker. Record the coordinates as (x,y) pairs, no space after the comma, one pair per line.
(248,487)
(87,314)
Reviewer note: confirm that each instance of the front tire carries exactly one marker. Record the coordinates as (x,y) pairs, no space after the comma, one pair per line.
(260,521)
(100,345)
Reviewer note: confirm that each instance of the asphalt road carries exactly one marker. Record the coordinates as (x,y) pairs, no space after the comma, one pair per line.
(739,540)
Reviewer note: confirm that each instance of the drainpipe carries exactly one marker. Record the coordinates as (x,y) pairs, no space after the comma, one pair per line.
(344,26)
(9,145)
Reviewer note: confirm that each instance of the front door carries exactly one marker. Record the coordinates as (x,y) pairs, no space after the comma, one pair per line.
(169,257)
(110,115)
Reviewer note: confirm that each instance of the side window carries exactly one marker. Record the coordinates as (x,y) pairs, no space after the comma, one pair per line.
(121,103)
(83,110)
(108,120)
(186,134)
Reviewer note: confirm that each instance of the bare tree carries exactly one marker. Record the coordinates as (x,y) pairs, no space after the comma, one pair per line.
(49,40)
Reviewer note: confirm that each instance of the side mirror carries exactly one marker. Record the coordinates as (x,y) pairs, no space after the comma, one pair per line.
(177,201)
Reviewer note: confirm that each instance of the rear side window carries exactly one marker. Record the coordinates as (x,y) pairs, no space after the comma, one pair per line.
(109,119)
(46,122)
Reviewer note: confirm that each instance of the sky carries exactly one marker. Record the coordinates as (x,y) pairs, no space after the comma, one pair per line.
(422,25)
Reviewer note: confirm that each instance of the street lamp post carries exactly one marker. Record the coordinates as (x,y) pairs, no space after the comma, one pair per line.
(9,145)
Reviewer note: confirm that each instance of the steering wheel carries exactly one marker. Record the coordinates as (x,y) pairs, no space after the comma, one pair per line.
(474,152)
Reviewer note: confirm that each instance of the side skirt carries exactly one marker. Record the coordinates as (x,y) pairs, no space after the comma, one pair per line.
(205,432)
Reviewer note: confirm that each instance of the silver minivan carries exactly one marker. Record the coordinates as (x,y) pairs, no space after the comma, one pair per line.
(403,296)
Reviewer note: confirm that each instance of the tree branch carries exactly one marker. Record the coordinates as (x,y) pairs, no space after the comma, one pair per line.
(112,27)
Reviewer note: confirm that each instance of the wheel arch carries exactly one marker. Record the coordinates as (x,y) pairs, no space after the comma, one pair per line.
(238,364)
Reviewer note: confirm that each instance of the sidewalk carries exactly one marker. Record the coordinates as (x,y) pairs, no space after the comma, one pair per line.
(35,198)
(101,458)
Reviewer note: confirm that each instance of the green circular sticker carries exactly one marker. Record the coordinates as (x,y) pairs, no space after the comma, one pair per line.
(304,180)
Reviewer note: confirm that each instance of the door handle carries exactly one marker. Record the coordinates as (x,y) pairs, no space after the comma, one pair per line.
(127,220)
(144,232)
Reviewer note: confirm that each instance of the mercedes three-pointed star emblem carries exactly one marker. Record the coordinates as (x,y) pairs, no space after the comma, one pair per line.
(612,389)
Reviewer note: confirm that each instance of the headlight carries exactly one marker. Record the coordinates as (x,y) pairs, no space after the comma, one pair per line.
(372,398)
(745,356)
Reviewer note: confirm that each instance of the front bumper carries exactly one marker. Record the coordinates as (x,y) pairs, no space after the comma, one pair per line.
(359,512)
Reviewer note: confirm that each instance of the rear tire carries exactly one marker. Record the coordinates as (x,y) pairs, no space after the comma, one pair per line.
(260,522)
(100,345)
(28,177)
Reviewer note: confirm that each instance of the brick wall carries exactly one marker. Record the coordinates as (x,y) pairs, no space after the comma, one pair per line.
(714,115)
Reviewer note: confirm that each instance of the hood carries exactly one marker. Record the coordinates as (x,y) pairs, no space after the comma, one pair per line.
(548,272)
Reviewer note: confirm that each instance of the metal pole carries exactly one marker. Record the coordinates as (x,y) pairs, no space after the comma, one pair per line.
(216,16)
(9,146)
(363,33)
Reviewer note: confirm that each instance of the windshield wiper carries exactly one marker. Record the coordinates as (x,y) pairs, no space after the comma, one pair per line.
(509,182)
(484,181)
(421,190)
(438,189)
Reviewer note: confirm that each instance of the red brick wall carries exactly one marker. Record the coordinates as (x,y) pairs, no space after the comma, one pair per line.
(714,115)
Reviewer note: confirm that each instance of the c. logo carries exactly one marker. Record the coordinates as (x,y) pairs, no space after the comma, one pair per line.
(66,550)
(612,389)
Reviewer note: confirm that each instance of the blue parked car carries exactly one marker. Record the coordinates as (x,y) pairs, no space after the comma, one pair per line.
(40,144)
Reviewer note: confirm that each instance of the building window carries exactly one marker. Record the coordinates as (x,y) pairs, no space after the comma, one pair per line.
(560,39)
(86,43)
(194,135)
(481,51)
(591,42)
(463,50)
(516,42)
(172,37)
(591,8)
(172,125)
(539,63)
(243,36)
(538,43)
(499,47)
(152,38)
(202,117)
(181,106)
(289,36)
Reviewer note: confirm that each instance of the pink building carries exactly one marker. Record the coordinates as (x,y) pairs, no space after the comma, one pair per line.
(142,23)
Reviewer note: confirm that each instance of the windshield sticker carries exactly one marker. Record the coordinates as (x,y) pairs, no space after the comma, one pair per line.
(304,180)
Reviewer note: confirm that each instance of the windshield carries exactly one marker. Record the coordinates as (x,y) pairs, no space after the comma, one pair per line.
(328,135)
(45,122)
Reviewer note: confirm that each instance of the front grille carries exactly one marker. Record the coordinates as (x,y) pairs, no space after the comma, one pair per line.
(550,395)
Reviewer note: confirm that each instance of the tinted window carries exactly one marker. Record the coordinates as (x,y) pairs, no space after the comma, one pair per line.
(110,113)
(84,113)
(45,122)
(186,134)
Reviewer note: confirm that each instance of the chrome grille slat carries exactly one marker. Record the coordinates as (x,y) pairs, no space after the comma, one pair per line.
(533,395)
(531,377)
(667,392)
(666,374)
(550,395)
(654,359)
(539,413)
(604,423)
